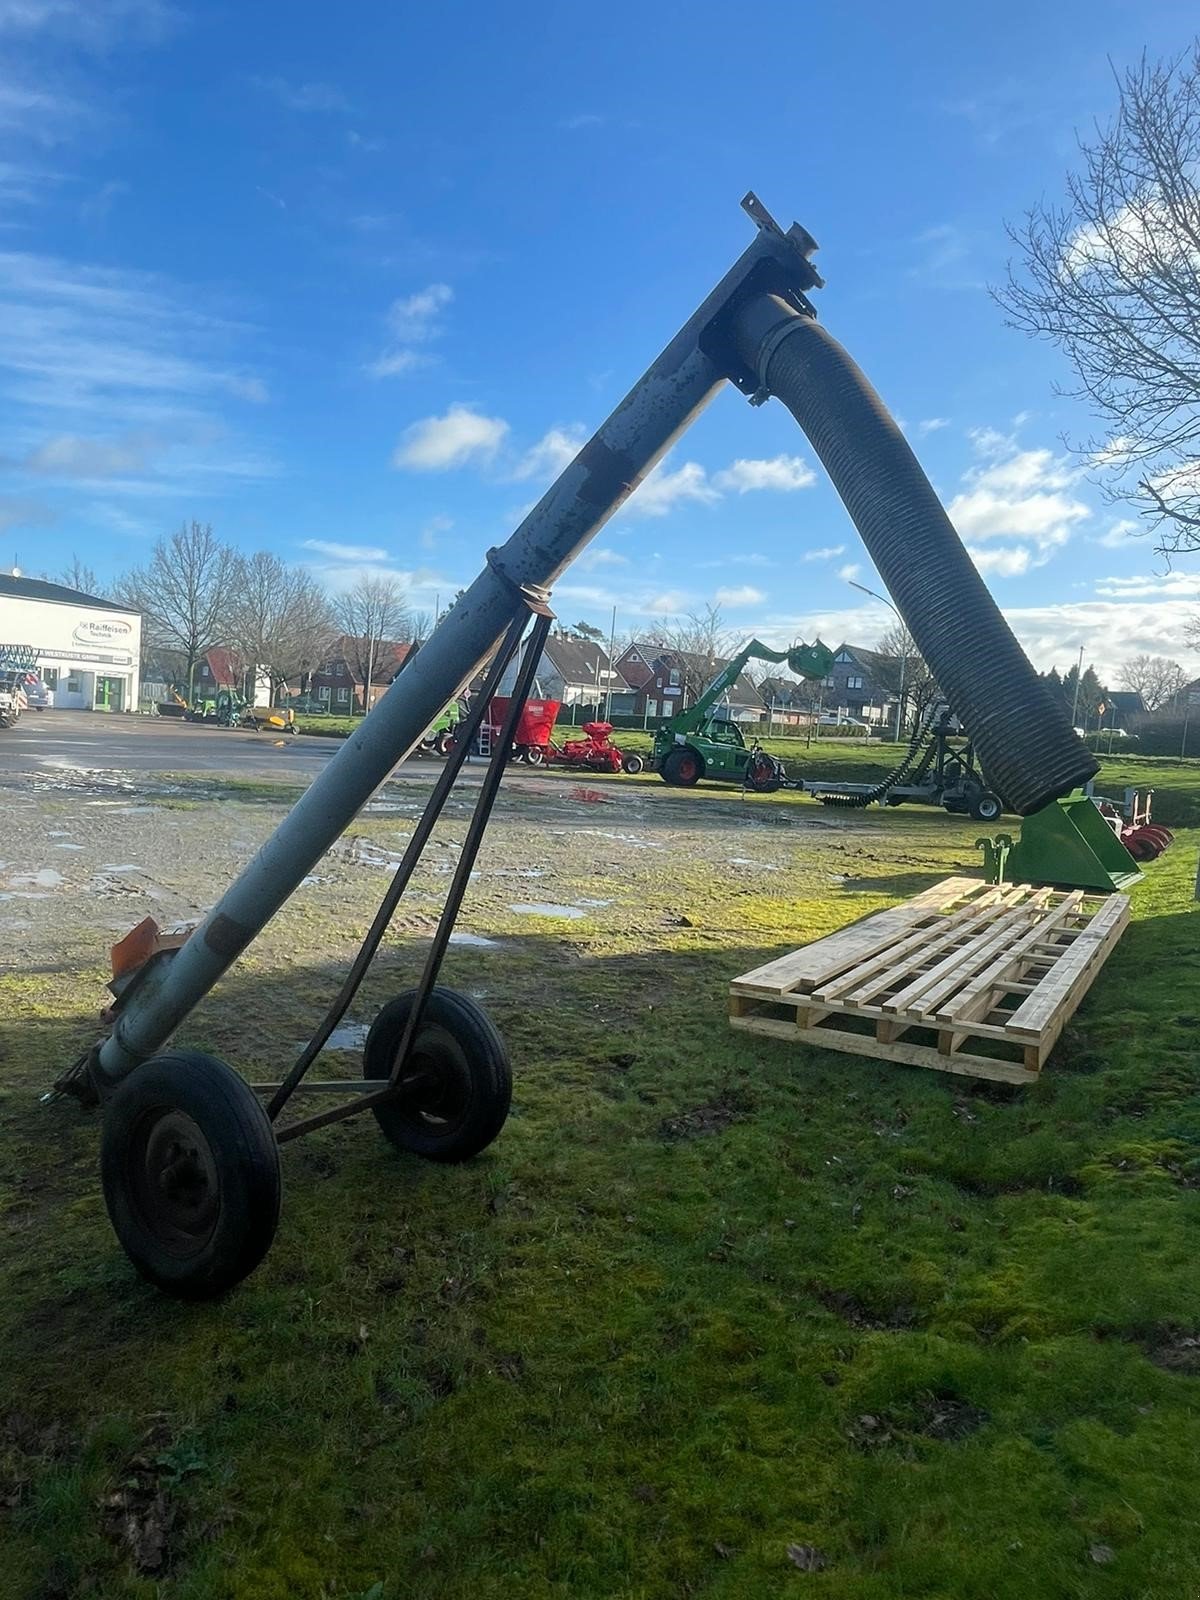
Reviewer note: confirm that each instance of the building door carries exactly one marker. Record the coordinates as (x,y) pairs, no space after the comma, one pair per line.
(110,694)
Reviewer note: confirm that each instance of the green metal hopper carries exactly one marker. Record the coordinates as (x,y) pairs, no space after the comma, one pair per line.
(1067,844)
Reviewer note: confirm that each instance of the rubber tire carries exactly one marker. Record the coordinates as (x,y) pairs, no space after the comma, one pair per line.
(442,743)
(535,756)
(683,756)
(632,764)
(767,785)
(485,1071)
(986,807)
(244,1151)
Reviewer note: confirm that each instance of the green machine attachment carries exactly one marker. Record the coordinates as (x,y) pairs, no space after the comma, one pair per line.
(1068,844)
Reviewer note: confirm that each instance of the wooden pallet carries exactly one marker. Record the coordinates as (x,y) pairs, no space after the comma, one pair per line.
(966,977)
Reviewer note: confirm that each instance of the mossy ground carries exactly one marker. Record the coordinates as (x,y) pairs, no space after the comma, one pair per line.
(708,1297)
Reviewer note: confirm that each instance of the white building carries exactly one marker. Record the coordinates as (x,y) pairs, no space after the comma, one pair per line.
(88,650)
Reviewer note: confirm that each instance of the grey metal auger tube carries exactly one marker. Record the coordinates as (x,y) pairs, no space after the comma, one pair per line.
(604,473)
(1024,740)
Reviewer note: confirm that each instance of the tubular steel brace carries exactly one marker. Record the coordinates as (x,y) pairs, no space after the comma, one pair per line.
(378,1092)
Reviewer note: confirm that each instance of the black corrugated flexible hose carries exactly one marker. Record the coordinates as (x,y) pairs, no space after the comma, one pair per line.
(1024,739)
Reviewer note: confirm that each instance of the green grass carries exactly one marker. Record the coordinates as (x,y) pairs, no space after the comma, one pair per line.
(708,1296)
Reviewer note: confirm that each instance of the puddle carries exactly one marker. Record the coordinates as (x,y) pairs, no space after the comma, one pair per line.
(68,846)
(23,894)
(348,1036)
(625,838)
(593,902)
(58,833)
(45,878)
(545,909)
(744,861)
(461,936)
(123,866)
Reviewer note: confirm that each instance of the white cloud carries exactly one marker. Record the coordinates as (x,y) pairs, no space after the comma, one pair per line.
(415,317)
(932,424)
(1119,535)
(368,553)
(393,363)
(1167,585)
(71,456)
(95,355)
(412,321)
(1017,495)
(1006,561)
(778,472)
(554,451)
(745,595)
(440,444)
(303,96)
(663,490)
(92,24)
(590,560)
(827,552)
(670,603)
(849,572)
(582,119)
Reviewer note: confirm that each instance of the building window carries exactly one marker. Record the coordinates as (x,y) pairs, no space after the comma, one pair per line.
(651,708)
(73,685)
(854,683)
(323,693)
(674,678)
(830,683)
(842,656)
(343,696)
(50,677)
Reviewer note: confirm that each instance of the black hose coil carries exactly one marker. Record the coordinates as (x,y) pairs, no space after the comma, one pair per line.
(1024,739)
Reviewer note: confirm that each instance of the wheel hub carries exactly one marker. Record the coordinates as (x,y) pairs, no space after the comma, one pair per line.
(178,1187)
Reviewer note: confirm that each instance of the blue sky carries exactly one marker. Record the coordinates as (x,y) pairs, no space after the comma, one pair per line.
(349,282)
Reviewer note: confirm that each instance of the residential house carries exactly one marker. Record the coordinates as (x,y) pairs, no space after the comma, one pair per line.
(665,681)
(220,669)
(861,683)
(1121,707)
(576,672)
(787,700)
(337,684)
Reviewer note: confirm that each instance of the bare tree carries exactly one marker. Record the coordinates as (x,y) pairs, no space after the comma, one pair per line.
(280,620)
(915,685)
(371,612)
(1156,678)
(696,647)
(1112,277)
(588,630)
(185,594)
(78,575)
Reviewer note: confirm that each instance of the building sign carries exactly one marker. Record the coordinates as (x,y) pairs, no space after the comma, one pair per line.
(102,631)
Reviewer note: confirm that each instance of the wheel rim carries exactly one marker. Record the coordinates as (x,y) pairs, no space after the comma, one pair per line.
(434,1095)
(688,769)
(175,1186)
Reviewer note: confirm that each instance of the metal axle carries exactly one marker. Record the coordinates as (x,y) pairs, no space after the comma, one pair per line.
(605,472)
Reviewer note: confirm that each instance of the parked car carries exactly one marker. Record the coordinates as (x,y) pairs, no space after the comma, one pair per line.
(831,719)
(39,695)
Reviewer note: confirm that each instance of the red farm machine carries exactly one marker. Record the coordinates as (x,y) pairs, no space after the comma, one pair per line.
(535,745)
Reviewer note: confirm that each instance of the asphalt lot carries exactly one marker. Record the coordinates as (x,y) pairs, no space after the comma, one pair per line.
(91,741)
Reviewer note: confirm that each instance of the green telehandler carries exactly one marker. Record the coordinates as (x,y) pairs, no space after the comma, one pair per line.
(698,743)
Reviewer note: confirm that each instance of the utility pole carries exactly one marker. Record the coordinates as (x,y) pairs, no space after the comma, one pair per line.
(612,646)
(1078,676)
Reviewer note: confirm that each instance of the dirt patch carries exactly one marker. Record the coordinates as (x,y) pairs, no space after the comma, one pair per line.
(714,1117)
(856,1313)
(142,1516)
(1174,1351)
(942,1416)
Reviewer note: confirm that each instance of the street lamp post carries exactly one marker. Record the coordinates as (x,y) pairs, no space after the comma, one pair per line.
(903,658)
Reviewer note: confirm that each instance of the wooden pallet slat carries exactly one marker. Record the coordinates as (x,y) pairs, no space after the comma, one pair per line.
(963,978)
